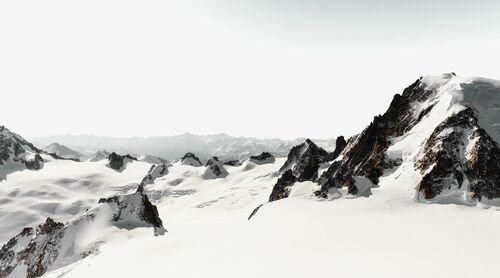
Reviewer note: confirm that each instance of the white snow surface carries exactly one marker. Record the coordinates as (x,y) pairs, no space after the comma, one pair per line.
(389,233)
(384,232)
(62,151)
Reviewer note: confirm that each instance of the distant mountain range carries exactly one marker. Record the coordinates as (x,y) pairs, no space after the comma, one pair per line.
(172,148)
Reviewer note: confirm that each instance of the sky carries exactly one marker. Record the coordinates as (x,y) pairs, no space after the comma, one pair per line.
(262,68)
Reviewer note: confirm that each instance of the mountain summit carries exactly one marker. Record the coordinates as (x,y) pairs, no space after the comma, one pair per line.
(440,136)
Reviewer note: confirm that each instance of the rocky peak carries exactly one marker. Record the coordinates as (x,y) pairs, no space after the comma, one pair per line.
(53,244)
(366,156)
(156,171)
(134,210)
(304,160)
(460,157)
(118,162)
(282,187)
(340,145)
(447,128)
(59,151)
(233,163)
(263,158)
(191,159)
(17,154)
(302,164)
(214,169)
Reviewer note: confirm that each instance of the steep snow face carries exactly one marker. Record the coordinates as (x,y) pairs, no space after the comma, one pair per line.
(304,160)
(52,245)
(62,151)
(432,135)
(17,154)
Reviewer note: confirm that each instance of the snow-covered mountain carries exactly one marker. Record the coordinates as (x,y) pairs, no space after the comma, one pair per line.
(62,151)
(440,137)
(369,206)
(17,154)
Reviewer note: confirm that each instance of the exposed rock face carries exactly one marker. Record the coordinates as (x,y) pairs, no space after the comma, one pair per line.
(17,154)
(54,244)
(263,158)
(302,164)
(37,249)
(215,169)
(366,156)
(34,164)
(118,162)
(460,154)
(191,160)
(62,152)
(134,210)
(340,145)
(282,187)
(156,171)
(304,160)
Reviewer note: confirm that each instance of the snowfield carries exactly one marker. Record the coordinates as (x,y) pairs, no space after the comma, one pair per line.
(385,235)
(372,227)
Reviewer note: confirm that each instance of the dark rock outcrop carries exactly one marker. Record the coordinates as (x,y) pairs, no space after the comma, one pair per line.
(254,212)
(117,162)
(128,208)
(233,163)
(263,158)
(304,160)
(302,164)
(191,160)
(17,154)
(366,156)
(460,153)
(156,171)
(35,250)
(34,164)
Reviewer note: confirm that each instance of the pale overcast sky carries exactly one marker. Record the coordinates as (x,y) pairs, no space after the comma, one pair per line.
(263,68)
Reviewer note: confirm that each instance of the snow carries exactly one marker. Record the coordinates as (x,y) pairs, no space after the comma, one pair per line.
(61,190)
(389,234)
(386,231)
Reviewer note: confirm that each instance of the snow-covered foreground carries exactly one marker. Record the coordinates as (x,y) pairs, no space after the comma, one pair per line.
(416,194)
(385,235)
(61,190)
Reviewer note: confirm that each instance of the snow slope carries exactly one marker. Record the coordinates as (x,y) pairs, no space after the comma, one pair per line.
(62,151)
(383,230)
(384,235)
(62,190)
